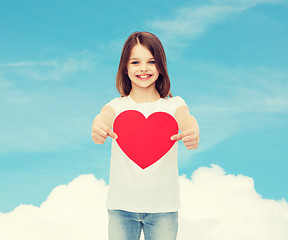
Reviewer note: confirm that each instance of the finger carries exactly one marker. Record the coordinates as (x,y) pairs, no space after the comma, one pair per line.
(176,137)
(192,147)
(196,131)
(190,138)
(190,143)
(112,134)
(98,139)
(179,136)
(100,131)
(99,135)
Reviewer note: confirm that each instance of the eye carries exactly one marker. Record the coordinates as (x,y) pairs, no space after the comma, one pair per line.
(152,62)
(135,62)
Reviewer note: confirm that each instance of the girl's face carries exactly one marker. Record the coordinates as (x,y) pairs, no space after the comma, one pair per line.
(141,68)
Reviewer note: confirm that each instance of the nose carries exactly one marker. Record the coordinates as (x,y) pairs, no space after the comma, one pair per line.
(143,67)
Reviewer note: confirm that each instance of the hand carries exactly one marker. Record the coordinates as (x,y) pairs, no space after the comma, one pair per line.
(190,138)
(100,132)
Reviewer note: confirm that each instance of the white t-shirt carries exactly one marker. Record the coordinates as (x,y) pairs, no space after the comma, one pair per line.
(154,188)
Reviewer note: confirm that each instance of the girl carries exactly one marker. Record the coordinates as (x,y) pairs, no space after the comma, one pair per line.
(143,184)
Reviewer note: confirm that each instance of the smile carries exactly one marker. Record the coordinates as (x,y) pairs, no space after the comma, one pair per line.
(144,76)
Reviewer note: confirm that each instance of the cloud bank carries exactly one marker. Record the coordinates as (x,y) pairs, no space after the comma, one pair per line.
(215,205)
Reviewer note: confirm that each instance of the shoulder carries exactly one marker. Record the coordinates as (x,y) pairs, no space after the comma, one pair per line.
(115,101)
(117,104)
(171,104)
(177,101)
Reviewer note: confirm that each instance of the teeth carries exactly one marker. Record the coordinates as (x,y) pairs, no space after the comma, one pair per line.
(143,76)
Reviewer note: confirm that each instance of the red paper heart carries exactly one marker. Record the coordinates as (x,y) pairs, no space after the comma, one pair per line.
(143,140)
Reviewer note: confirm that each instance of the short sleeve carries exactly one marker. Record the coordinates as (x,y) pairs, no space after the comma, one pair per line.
(114,103)
(178,101)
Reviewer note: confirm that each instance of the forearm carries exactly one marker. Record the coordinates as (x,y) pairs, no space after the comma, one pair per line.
(102,124)
(103,118)
(185,120)
(189,128)
(106,117)
(188,122)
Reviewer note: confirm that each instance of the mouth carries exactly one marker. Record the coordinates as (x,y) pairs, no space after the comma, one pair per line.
(144,76)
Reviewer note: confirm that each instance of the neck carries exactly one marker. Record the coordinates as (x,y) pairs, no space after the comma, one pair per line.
(144,95)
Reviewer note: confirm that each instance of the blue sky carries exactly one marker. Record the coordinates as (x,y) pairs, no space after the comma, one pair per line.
(58,61)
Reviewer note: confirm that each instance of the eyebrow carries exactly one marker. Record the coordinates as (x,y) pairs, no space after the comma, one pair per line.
(138,58)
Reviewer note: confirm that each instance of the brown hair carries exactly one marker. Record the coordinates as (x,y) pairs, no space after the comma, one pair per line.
(153,44)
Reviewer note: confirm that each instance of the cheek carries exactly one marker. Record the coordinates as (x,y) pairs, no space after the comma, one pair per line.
(156,72)
(130,70)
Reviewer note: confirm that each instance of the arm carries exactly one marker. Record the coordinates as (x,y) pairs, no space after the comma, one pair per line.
(188,126)
(102,124)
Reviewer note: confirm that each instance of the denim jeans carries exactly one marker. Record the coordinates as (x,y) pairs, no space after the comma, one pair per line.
(156,226)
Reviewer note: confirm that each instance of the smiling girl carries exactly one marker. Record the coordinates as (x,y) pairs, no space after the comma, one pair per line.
(144,194)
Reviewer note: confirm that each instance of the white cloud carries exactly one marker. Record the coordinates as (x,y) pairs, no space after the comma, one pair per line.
(43,121)
(54,69)
(243,99)
(73,211)
(47,115)
(191,22)
(251,92)
(244,4)
(52,63)
(215,205)
(221,206)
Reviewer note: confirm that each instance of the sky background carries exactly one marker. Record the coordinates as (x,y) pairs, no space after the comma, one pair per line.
(227,59)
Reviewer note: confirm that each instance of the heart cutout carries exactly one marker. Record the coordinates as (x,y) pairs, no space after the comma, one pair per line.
(143,140)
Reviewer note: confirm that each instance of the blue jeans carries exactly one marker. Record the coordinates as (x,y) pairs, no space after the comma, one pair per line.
(156,226)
